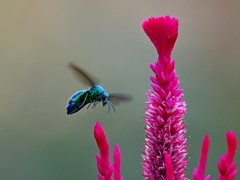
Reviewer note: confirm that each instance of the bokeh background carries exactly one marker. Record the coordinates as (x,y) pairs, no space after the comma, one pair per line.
(39,38)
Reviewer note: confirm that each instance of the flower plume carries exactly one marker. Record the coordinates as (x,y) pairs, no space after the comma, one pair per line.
(198,174)
(226,167)
(103,163)
(165,148)
(165,128)
(117,163)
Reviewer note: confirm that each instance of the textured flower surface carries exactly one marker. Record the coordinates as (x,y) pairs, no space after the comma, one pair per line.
(103,162)
(165,130)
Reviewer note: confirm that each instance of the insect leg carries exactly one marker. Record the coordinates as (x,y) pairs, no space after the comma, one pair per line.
(86,109)
(89,105)
(93,106)
(95,103)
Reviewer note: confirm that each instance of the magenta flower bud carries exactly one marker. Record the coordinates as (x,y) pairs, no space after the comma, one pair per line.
(117,163)
(198,174)
(226,167)
(103,162)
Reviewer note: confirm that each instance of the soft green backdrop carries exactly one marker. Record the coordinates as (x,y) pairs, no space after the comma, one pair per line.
(39,38)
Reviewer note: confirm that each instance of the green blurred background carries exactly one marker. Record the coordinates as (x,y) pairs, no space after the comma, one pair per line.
(39,38)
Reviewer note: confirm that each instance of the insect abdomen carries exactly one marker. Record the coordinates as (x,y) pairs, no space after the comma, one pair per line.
(77,102)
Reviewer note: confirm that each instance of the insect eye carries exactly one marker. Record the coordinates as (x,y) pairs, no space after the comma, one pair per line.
(104,98)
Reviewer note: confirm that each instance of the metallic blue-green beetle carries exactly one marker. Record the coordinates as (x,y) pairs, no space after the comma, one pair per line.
(93,95)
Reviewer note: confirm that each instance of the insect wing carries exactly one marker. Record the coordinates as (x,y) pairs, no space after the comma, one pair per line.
(116,98)
(82,76)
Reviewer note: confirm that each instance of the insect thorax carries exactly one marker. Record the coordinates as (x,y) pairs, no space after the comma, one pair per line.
(96,93)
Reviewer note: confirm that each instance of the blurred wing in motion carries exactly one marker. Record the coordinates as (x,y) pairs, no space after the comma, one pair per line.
(82,76)
(116,98)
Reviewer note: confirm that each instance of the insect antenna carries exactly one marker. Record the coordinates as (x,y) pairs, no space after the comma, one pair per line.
(110,104)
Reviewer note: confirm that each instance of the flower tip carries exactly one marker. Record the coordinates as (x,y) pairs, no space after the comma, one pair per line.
(97,125)
(207,178)
(163,32)
(207,138)
(232,145)
(231,136)
(117,148)
(117,154)
(98,129)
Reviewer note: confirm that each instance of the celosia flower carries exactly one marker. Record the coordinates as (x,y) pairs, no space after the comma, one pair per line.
(198,174)
(117,163)
(103,162)
(165,127)
(226,167)
(165,149)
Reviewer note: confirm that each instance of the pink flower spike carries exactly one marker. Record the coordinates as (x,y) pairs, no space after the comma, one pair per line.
(226,167)
(165,128)
(198,174)
(169,166)
(117,163)
(103,162)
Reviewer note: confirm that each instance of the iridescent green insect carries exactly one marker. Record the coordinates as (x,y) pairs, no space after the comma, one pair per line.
(93,95)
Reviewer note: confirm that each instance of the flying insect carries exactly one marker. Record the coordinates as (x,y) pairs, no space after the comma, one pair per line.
(93,95)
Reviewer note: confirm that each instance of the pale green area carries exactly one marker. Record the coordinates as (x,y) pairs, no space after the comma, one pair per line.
(39,38)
